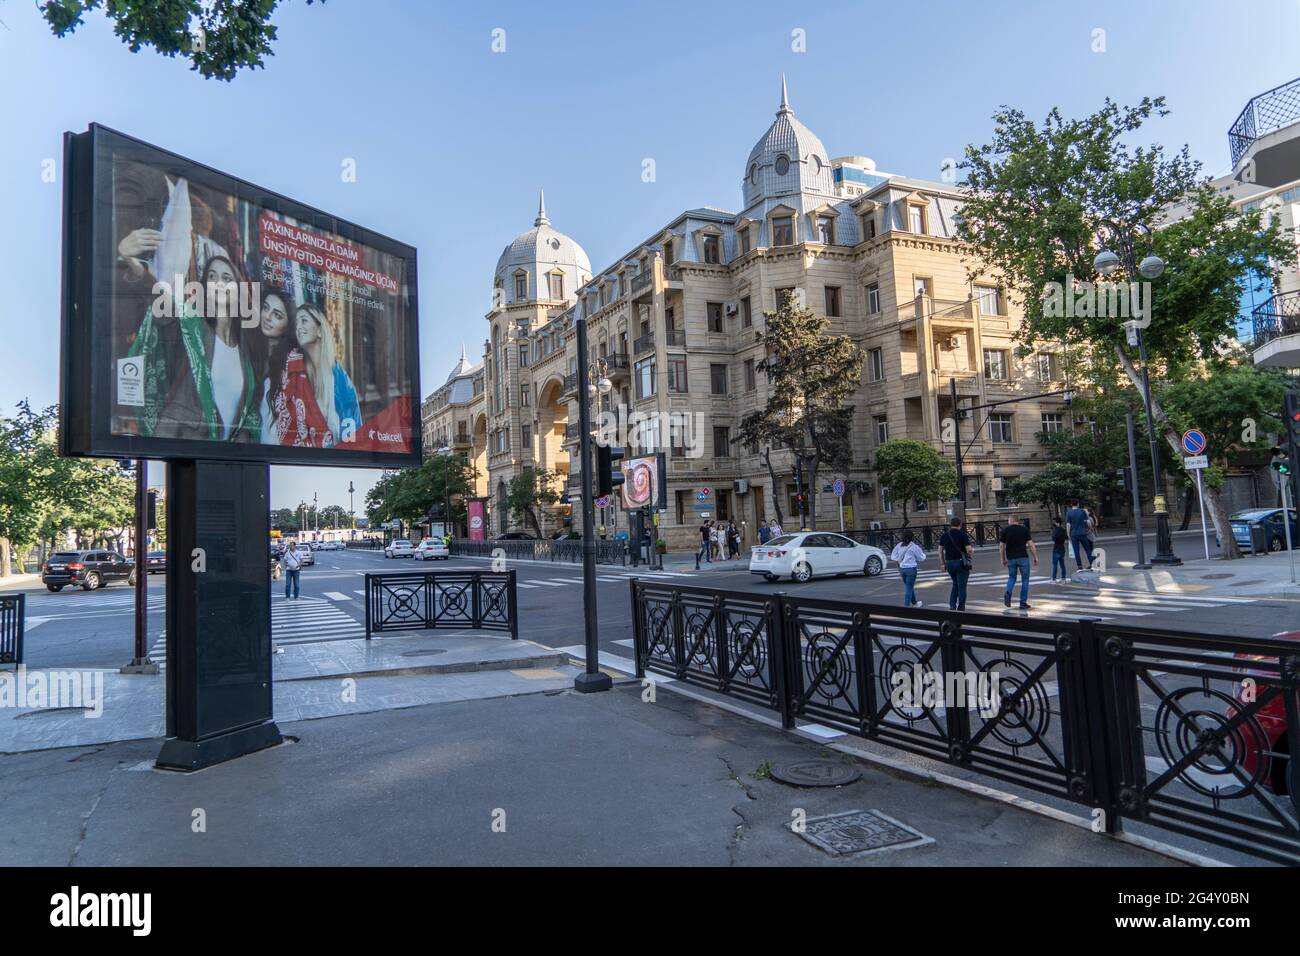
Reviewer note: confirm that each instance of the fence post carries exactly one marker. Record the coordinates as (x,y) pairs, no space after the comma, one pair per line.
(368,615)
(950,654)
(639,649)
(512,605)
(780,659)
(1104,702)
(476,607)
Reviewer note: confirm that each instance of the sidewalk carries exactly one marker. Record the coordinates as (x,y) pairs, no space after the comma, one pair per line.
(1263,576)
(20,582)
(542,780)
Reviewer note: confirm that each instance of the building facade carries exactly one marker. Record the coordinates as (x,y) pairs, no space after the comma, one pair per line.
(675,325)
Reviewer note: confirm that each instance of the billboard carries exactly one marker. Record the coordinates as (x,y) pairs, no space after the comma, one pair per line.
(204,317)
(644,482)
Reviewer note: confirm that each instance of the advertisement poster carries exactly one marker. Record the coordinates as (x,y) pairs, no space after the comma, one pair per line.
(477,521)
(643,482)
(236,318)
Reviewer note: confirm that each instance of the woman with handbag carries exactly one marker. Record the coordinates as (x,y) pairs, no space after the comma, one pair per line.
(957,549)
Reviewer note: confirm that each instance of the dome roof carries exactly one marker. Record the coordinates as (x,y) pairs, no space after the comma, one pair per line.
(462,366)
(788,158)
(539,250)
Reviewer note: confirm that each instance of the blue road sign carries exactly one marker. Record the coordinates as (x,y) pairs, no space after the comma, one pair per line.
(839,487)
(1193,441)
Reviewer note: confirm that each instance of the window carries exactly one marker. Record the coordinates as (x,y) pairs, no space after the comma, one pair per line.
(718,379)
(523,356)
(677,373)
(920,507)
(886,502)
(782,164)
(1048,367)
(526,434)
(974,492)
(785,295)
(995,365)
(873,299)
(989,299)
(668,252)
(557,285)
(645,377)
(783,231)
(521,286)
(1053,423)
(712,249)
(868,226)
(882,429)
(749,375)
(744,240)
(525,395)
(876,368)
(1000,498)
(746,312)
(714,310)
(721,441)
(832,301)
(1000,428)
(826,229)
(916,219)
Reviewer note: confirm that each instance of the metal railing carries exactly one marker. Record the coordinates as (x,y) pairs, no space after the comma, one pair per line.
(1156,726)
(417,600)
(644,343)
(642,281)
(1276,317)
(567,550)
(13,611)
(674,336)
(1265,113)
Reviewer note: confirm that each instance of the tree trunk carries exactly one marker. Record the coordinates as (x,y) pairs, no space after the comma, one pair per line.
(810,490)
(1227,543)
(776,488)
(532,517)
(5,569)
(1187,508)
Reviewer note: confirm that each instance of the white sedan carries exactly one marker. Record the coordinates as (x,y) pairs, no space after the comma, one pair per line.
(800,556)
(431,549)
(400,548)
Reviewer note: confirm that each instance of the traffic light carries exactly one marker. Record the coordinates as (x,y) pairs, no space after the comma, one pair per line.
(151,510)
(608,473)
(1281,463)
(1124,479)
(1291,411)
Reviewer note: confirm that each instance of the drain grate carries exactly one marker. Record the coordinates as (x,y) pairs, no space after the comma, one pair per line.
(816,772)
(860,832)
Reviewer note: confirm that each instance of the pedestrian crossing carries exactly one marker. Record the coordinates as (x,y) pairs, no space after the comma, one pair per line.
(300,621)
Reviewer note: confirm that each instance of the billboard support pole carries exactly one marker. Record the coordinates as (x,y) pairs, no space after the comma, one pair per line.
(592,679)
(218,614)
(140,662)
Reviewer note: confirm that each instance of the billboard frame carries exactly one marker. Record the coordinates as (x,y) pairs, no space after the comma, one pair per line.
(85,394)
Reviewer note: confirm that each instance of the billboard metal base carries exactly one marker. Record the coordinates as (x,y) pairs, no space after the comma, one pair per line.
(218,614)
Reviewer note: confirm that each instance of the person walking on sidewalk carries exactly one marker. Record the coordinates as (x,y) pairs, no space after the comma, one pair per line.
(776,529)
(706,546)
(292,562)
(1076,521)
(1016,546)
(1059,537)
(907,554)
(957,549)
(733,541)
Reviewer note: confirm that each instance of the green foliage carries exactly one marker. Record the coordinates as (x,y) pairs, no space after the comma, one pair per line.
(286,520)
(218,37)
(914,471)
(811,377)
(528,491)
(1056,484)
(412,494)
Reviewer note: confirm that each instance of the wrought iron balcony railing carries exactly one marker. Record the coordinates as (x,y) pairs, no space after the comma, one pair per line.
(1264,114)
(570,383)
(1278,316)
(675,337)
(645,343)
(641,281)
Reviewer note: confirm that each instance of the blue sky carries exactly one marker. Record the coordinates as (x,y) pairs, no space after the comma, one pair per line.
(452,141)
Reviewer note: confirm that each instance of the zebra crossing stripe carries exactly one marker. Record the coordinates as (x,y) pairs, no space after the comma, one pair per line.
(337,596)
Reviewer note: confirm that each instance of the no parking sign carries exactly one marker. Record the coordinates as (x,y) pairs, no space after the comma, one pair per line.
(1193,441)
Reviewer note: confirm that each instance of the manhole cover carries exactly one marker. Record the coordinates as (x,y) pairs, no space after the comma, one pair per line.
(426,653)
(816,772)
(859,831)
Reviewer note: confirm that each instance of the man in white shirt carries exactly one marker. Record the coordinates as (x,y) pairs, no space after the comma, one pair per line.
(292,562)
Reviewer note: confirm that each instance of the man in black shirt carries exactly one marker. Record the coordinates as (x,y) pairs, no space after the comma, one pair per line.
(1016,546)
(956,545)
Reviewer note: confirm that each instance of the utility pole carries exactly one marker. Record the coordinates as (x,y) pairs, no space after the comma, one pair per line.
(1137,495)
(140,662)
(592,678)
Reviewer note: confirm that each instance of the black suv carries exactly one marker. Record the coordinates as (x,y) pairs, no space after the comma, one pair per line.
(86,569)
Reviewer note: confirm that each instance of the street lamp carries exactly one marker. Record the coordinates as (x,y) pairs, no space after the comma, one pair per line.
(1107,263)
(592,679)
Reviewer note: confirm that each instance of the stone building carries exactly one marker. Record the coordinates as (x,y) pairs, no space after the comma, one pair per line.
(675,323)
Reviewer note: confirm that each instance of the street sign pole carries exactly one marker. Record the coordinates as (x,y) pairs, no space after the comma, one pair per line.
(1286,525)
(1137,495)
(1200,498)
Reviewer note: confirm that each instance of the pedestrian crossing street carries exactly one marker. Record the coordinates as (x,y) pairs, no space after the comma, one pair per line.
(1063,600)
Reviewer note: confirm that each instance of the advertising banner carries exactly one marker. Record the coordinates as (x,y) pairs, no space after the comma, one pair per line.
(208,318)
(644,484)
(477,520)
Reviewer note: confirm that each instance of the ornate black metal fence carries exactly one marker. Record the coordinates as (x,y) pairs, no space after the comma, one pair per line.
(12,620)
(1264,114)
(415,600)
(1192,733)
(543,549)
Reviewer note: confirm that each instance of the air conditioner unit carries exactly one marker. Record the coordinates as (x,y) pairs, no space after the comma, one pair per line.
(875,526)
(951,343)
(740,486)
(995,484)
(733,308)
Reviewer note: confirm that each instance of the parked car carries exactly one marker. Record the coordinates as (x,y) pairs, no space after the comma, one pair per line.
(88,570)
(308,559)
(401,548)
(1270,766)
(155,562)
(431,549)
(1270,518)
(800,556)
(329,546)
(515,536)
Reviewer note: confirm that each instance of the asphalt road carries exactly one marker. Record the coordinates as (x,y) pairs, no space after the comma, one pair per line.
(95,629)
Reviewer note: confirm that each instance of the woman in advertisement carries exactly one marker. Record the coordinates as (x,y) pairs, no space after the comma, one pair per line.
(314,402)
(270,354)
(334,391)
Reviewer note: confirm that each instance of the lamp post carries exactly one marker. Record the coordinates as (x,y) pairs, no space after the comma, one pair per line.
(446,453)
(352,511)
(1107,263)
(592,679)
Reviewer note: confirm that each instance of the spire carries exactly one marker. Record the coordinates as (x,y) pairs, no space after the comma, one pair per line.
(785,99)
(464,359)
(541,219)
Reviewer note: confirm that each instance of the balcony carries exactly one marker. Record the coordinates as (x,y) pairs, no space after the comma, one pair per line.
(618,364)
(1267,135)
(675,337)
(1277,331)
(645,343)
(570,384)
(642,283)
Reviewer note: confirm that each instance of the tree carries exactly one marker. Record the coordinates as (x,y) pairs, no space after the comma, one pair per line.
(285,520)
(1038,198)
(529,490)
(412,494)
(218,37)
(28,464)
(334,516)
(914,471)
(811,375)
(1056,484)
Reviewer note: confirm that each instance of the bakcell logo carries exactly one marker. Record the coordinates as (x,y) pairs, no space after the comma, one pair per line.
(385,436)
